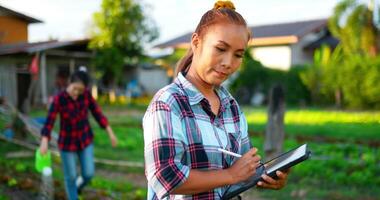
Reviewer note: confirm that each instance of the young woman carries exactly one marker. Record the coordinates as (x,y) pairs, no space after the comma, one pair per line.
(188,120)
(75,135)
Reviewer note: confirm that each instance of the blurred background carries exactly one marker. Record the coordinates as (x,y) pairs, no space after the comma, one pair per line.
(313,64)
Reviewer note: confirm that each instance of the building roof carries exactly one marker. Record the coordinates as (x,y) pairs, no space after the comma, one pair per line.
(266,34)
(42,46)
(19,15)
(298,29)
(327,40)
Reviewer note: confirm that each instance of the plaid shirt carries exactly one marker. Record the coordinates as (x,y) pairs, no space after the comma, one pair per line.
(182,133)
(75,131)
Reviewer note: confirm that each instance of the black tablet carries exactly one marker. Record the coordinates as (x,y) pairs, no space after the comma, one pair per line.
(279,163)
(286,160)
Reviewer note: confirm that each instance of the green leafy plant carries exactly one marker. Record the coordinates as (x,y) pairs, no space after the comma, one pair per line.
(120,30)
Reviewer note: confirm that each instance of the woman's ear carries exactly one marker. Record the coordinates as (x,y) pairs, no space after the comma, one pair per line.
(195,40)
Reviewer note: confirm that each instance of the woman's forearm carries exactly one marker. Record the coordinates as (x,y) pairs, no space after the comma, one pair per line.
(203,181)
(109,130)
(112,136)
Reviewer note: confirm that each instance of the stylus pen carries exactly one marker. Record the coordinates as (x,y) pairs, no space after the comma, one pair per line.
(229,153)
(234,154)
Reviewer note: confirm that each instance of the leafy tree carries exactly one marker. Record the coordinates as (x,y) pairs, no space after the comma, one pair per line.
(323,77)
(254,77)
(352,22)
(361,81)
(348,73)
(121,29)
(251,78)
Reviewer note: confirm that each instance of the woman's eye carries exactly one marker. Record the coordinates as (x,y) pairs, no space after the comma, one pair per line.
(220,49)
(239,55)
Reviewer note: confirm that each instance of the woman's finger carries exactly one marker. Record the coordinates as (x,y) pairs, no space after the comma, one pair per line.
(281,175)
(269,180)
(267,185)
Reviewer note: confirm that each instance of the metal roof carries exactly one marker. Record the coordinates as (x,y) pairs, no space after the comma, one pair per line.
(298,29)
(40,46)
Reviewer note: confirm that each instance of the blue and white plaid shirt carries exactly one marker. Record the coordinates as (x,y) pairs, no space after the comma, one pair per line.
(182,133)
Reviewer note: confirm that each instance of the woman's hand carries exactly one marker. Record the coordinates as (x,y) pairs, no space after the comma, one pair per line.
(44,146)
(113,140)
(112,136)
(275,184)
(245,167)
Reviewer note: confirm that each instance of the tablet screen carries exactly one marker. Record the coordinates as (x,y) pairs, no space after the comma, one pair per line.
(284,159)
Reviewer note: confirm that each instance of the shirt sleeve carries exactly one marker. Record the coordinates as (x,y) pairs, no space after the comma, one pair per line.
(52,114)
(164,149)
(96,111)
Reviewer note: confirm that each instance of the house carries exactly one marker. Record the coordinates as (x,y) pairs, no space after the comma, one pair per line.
(279,46)
(53,63)
(14,26)
(54,60)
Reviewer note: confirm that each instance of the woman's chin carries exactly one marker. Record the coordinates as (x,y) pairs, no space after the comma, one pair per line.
(216,81)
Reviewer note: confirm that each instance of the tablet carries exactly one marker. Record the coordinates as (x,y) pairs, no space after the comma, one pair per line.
(279,163)
(286,160)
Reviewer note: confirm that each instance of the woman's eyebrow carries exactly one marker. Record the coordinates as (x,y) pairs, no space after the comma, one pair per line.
(225,43)
(228,45)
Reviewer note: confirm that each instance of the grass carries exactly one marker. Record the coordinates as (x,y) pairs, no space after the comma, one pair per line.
(357,126)
(130,144)
(18,171)
(334,171)
(344,165)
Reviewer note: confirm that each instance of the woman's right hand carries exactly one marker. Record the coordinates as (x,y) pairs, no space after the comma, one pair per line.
(44,145)
(245,167)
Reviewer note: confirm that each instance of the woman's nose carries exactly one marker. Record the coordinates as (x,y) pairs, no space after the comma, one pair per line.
(227,61)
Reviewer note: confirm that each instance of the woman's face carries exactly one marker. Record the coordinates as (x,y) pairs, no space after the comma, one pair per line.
(219,53)
(75,89)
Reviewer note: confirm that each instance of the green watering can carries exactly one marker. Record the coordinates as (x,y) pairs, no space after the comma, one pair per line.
(42,161)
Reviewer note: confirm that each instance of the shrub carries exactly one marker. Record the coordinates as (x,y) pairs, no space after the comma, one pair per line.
(254,77)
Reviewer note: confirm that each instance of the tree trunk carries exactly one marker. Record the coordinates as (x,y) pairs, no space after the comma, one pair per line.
(275,134)
(338,98)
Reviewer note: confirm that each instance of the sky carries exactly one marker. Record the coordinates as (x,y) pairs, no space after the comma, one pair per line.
(71,19)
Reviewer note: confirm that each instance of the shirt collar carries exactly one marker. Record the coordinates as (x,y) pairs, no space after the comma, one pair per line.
(195,96)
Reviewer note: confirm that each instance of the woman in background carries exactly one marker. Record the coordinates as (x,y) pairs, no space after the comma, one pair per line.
(75,135)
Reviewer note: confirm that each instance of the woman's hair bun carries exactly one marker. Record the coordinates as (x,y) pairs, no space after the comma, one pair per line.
(224,4)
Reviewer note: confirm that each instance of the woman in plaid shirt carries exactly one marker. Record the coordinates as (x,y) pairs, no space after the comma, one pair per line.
(188,120)
(75,135)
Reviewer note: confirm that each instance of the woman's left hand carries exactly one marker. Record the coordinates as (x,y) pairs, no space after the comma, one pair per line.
(111,136)
(275,184)
(113,140)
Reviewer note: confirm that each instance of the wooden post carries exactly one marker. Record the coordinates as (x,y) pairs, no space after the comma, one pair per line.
(274,133)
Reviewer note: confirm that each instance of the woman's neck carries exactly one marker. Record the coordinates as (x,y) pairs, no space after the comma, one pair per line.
(205,88)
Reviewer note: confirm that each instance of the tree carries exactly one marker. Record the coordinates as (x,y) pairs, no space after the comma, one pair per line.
(323,78)
(252,77)
(353,23)
(361,82)
(350,71)
(120,31)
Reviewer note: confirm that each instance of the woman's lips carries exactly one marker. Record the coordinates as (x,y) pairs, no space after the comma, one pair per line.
(221,74)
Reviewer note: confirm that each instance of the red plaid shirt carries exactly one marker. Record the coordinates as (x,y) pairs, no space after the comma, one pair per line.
(75,131)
